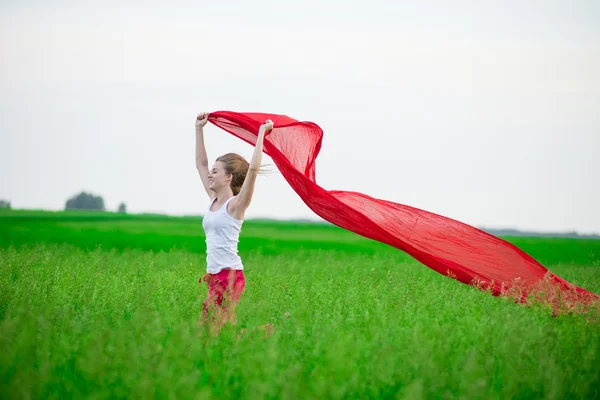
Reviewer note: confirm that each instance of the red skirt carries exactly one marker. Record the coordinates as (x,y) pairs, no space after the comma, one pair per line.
(224,289)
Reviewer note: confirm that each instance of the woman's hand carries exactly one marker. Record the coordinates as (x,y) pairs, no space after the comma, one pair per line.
(201,120)
(267,126)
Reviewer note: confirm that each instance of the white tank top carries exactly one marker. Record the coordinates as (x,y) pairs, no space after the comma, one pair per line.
(222,237)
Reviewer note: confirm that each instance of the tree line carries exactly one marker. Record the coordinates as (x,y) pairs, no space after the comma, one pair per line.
(90,202)
(80,201)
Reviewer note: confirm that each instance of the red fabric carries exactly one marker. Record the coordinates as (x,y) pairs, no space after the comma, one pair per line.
(449,247)
(227,286)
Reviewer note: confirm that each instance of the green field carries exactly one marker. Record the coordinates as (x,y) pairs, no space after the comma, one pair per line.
(103,305)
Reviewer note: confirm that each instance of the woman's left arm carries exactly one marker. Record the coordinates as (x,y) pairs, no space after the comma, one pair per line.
(242,201)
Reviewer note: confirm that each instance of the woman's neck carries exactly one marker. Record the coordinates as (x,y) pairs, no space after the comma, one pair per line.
(224,194)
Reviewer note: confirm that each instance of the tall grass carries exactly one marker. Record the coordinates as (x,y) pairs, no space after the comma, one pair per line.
(356,321)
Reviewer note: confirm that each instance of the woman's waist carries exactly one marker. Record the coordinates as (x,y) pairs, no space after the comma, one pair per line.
(222,251)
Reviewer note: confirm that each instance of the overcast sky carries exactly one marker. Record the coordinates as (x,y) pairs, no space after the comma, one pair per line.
(483,111)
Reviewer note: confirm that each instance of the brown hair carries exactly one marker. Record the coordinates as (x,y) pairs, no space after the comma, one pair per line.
(237,166)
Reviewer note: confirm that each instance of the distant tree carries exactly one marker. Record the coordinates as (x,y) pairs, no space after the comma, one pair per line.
(85,201)
(5,204)
(122,208)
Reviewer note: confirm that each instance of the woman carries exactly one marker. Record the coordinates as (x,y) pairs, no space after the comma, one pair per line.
(230,185)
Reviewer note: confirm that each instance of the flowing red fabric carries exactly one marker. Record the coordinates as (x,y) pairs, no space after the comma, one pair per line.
(447,246)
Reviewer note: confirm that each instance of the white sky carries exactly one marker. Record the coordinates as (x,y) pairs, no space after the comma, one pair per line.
(484,111)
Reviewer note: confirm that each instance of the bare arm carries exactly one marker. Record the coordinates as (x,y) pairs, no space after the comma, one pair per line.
(201,157)
(243,199)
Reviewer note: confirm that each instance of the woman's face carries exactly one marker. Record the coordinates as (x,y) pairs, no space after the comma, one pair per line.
(218,177)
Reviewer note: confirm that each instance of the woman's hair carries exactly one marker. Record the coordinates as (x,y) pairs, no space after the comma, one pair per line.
(237,166)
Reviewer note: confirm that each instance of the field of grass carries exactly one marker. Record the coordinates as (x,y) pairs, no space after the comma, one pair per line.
(106,305)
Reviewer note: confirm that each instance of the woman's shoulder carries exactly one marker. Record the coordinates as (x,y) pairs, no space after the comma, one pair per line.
(232,210)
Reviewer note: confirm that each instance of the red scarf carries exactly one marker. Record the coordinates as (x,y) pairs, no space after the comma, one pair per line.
(447,246)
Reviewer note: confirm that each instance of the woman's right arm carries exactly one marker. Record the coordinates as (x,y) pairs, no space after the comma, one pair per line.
(201,157)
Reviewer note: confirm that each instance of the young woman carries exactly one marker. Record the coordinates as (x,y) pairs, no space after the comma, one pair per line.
(229,184)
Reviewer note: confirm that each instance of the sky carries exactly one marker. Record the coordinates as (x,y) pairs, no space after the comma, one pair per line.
(483,111)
